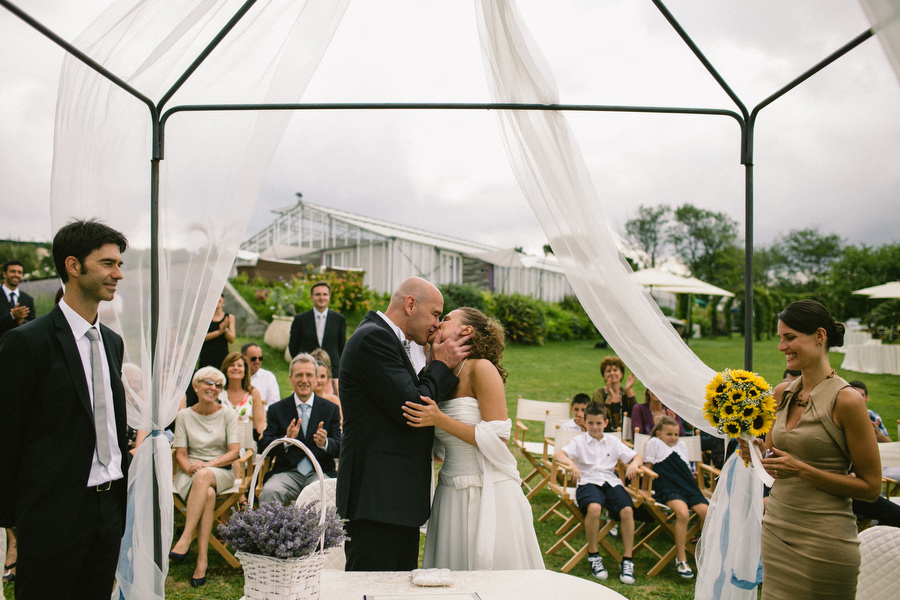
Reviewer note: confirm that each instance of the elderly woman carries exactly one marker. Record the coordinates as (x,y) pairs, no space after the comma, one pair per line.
(240,395)
(206,443)
(619,402)
(645,416)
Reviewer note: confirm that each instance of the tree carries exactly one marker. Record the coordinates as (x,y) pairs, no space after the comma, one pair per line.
(647,230)
(803,258)
(704,239)
(859,267)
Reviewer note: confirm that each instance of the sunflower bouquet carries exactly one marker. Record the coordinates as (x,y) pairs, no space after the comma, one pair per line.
(739,402)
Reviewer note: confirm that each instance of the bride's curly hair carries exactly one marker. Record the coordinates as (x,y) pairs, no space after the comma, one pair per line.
(488,338)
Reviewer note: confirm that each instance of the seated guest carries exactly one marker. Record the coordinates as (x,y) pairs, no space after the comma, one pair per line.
(314,421)
(881,432)
(262,379)
(322,356)
(240,395)
(323,379)
(645,416)
(618,401)
(206,443)
(576,423)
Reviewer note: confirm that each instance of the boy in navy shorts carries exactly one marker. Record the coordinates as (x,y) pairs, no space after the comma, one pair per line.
(593,457)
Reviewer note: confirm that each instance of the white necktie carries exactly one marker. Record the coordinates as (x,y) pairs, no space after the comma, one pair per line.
(99,388)
(304,467)
(406,348)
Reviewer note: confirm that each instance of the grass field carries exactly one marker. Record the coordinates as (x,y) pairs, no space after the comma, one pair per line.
(557,371)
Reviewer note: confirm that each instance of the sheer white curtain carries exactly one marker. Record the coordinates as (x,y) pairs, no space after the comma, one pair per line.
(554,178)
(214,166)
(884,15)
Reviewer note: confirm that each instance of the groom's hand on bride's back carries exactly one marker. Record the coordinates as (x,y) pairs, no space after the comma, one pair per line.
(450,351)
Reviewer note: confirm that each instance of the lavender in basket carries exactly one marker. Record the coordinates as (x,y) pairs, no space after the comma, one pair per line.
(282,531)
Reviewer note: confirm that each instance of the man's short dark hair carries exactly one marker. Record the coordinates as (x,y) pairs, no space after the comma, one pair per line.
(595,408)
(792,373)
(856,383)
(246,347)
(319,284)
(81,237)
(581,399)
(11,263)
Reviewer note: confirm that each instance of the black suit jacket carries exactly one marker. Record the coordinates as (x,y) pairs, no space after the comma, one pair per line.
(385,469)
(304,339)
(47,436)
(6,320)
(280,416)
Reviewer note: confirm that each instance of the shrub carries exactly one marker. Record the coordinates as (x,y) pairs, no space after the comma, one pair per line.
(522,318)
(457,294)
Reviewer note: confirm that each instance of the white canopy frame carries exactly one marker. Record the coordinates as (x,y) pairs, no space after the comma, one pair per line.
(524,107)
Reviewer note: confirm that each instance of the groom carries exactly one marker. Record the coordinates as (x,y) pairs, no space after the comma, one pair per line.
(385,466)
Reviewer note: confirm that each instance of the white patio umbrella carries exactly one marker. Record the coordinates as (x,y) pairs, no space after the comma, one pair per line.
(885,290)
(665,281)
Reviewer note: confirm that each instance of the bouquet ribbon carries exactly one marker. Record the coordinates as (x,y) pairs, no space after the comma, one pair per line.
(756,459)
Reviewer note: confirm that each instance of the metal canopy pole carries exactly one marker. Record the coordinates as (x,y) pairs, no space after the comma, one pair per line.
(745,121)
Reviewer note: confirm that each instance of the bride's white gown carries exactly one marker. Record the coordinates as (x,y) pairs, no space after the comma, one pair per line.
(480,519)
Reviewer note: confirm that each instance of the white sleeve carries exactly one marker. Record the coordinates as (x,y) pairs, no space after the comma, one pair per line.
(653,451)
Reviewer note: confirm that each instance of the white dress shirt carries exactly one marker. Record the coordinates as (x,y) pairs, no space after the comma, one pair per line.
(597,459)
(416,352)
(267,385)
(99,473)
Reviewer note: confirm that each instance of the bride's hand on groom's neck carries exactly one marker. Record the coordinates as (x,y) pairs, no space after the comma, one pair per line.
(452,350)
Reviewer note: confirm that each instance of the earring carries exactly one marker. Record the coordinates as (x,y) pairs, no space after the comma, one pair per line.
(819,344)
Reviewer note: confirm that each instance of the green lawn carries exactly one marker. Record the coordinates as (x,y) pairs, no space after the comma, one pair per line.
(556,371)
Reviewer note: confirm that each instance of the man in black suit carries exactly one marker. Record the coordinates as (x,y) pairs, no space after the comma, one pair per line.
(64,471)
(16,307)
(320,327)
(385,468)
(314,421)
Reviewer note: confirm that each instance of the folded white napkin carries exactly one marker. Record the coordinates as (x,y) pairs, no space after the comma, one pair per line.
(432,577)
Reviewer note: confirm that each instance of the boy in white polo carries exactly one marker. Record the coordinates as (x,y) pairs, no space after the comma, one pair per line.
(593,457)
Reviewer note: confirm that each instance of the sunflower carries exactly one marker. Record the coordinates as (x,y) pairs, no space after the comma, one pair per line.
(716,386)
(761,425)
(729,410)
(749,412)
(742,376)
(732,428)
(737,396)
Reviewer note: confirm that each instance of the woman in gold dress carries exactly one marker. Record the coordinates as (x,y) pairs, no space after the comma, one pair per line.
(809,544)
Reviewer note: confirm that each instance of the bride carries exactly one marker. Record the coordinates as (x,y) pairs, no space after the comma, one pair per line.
(480,519)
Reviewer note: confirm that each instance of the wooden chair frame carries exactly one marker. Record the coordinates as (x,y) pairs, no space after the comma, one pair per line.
(534,452)
(573,524)
(661,518)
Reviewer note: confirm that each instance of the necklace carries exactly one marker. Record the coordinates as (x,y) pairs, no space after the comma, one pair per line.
(800,389)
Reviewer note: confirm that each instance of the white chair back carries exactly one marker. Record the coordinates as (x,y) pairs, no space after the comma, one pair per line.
(541,410)
(890,454)
(627,429)
(564,437)
(694,451)
(640,443)
(335,558)
(879,549)
(552,428)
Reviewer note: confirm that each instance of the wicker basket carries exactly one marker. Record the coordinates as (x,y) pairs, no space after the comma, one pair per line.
(270,578)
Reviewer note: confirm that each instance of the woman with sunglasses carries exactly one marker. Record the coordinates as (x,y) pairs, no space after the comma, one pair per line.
(206,443)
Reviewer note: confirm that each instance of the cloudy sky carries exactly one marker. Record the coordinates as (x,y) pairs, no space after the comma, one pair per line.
(826,154)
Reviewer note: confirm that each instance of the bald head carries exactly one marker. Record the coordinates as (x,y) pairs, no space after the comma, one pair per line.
(416,308)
